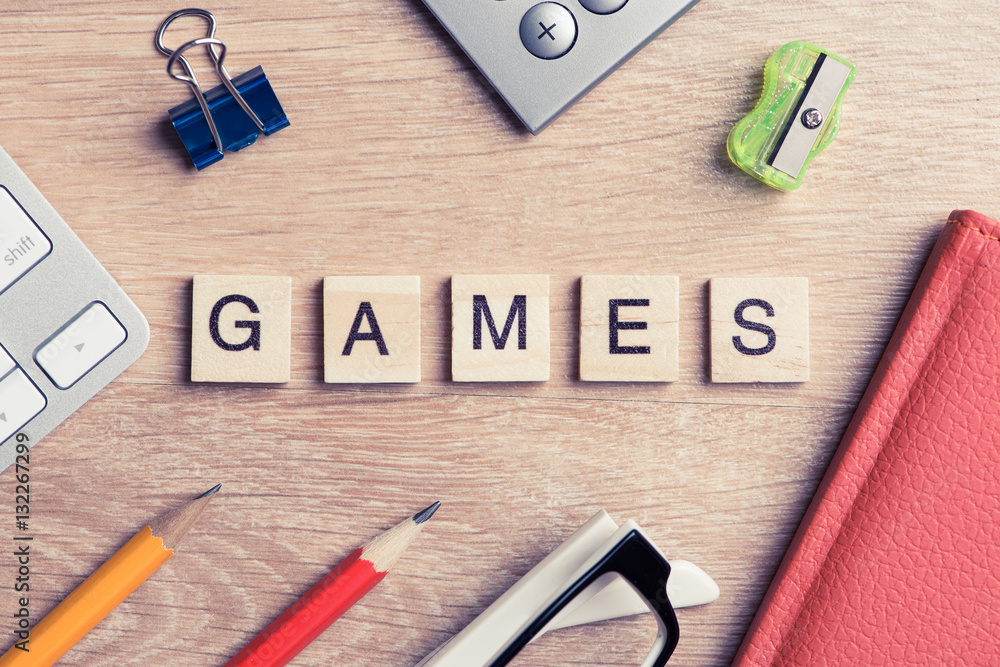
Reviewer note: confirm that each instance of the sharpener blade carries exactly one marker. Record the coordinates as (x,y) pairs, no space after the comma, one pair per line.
(822,89)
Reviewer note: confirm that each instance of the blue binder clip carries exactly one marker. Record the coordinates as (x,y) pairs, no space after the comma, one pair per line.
(228,117)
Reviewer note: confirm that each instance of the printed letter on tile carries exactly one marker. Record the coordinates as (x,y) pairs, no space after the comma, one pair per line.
(760,329)
(500,328)
(241,329)
(628,328)
(371,329)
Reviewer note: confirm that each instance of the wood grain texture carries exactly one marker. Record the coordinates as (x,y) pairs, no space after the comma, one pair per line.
(400,160)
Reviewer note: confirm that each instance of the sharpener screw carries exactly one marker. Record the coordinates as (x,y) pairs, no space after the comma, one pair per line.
(812,118)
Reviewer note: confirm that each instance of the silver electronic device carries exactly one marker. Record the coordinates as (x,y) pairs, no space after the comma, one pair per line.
(66,327)
(543,56)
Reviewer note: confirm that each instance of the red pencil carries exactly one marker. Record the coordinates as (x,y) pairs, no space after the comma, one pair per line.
(334,594)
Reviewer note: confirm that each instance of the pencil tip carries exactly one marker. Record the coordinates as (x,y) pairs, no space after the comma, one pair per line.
(214,489)
(425,514)
(173,525)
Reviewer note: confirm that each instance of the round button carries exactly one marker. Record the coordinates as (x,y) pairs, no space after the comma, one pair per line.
(603,6)
(548,30)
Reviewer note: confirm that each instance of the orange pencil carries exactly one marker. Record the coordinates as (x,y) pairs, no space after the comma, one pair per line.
(107,587)
(334,594)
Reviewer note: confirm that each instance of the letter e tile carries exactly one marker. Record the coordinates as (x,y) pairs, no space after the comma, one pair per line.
(371,329)
(500,328)
(241,329)
(628,328)
(760,329)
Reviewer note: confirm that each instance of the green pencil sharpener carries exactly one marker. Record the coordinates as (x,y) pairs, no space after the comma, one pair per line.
(797,116)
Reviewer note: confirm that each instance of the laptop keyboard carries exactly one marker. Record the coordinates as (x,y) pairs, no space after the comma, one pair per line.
(66,327)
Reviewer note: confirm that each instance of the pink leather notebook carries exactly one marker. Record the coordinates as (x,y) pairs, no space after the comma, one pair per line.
(897,560)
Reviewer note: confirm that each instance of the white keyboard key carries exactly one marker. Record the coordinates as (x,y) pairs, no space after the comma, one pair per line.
(80,345)
(19,402)
(6,363)
(22,243)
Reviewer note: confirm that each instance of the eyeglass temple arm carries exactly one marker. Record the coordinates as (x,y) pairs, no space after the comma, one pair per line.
(645,569)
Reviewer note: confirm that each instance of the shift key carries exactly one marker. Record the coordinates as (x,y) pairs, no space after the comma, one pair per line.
(22,243)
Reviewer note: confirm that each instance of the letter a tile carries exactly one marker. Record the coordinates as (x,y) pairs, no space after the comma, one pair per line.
(628,328)
(500,328)
(241,329)
(760,329)
(371,328)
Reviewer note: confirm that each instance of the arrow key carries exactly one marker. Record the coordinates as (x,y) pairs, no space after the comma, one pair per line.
(80,345)
(6,363)
(20,401)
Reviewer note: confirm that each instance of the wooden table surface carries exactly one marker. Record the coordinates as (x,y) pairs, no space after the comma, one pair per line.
(401,160)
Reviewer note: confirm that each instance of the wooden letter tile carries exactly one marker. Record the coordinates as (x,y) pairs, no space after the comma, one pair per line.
(241,329)
(500,328)
(760,329)
(628,328)
(371,329)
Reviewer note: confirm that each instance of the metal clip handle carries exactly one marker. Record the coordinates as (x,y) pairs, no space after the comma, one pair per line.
(210,42)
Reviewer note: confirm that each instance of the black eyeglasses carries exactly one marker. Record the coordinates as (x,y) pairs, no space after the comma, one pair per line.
(637,561)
